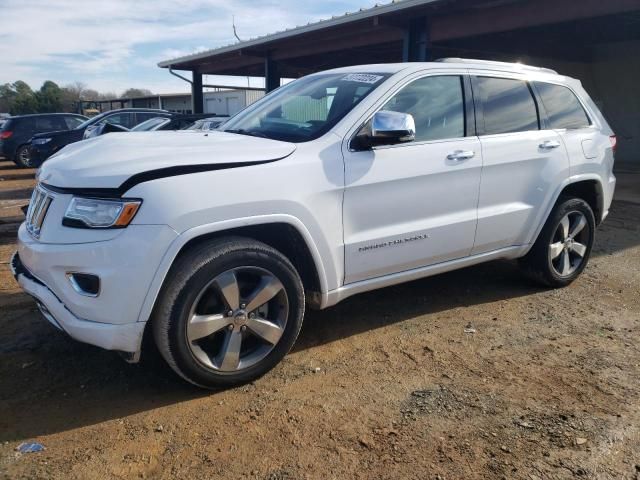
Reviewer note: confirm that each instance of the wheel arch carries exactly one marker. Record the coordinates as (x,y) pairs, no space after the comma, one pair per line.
(589,190)
(587,187)
(276,231)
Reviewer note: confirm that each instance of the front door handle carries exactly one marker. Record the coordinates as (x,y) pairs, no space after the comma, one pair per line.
(549,145)
(461,155)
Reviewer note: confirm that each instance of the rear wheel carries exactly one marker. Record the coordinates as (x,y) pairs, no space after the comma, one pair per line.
(23,157)
(230,312)
(564,245)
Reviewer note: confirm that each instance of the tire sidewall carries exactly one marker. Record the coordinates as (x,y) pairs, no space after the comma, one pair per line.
(567,206)
(187,295)
(18,159)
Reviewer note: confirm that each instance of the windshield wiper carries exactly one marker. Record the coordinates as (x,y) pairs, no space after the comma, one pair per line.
(242,131)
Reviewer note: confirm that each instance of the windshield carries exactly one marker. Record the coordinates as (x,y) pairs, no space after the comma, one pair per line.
(150,124)
(305,109)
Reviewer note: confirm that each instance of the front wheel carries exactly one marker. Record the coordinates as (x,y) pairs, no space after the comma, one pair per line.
(230,311)
(562,249)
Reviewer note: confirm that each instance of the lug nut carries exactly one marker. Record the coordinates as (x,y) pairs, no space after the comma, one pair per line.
(229,313)
(243,328)
(243,306)
(230,327)
(252,315)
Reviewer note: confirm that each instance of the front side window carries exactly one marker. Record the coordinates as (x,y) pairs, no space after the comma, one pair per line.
(562,107)
(436,104)
(122,119)
(305,109)
(508,105)
(73,122)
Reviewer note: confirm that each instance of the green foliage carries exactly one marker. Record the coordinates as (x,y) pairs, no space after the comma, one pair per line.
(136,92)
(49,98)
(24,99)
(19,99)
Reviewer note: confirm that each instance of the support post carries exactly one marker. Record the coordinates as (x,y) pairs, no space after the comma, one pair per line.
(416,46)
(196,94)
(271,74)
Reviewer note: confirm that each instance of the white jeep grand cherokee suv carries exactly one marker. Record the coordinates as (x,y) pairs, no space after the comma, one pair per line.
(337,183)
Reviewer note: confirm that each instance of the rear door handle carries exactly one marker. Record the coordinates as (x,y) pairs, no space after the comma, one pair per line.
(461,155)
(549,145)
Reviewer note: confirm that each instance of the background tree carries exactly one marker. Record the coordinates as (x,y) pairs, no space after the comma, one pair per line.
(136,92)
(7,97)
(49,98)
(24,100)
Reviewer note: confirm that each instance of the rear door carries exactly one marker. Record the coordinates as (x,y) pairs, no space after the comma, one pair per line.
(564,113)
(411,205)
(523,162)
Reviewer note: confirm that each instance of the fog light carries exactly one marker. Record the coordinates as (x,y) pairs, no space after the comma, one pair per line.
(85,283)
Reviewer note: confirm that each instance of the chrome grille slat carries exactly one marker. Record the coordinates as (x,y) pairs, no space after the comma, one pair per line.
(37,212)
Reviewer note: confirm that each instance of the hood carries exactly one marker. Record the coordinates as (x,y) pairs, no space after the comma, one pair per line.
(121,160)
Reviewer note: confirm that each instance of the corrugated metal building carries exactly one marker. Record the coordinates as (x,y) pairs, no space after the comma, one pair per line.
(596,41)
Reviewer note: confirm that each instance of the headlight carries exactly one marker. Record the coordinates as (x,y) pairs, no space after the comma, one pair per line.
(40,141)
(98,213)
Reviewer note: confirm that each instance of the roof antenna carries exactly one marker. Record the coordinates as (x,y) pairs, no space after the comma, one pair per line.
(233,22)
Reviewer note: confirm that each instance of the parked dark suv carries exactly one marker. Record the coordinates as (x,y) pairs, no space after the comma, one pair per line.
(46,144)
(16,132)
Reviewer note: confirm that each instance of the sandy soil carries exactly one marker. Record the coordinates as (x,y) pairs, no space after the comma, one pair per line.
(386,385)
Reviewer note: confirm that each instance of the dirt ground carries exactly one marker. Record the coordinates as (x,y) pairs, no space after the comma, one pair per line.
(387,385)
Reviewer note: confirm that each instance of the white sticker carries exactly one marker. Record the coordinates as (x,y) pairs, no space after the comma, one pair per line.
(362,78)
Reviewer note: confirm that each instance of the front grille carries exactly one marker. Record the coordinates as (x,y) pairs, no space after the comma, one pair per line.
(38,207)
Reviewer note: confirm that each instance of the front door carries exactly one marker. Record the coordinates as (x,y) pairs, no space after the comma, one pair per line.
(411,205)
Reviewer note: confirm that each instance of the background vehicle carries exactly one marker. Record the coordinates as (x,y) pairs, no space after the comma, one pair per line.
(16,132)
(46,144)
(337,183)
(175,121)
(209,123)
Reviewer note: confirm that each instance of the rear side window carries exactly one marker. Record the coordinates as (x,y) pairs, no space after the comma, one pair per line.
(562,107)
(49,124)
(508,105)
(436,104)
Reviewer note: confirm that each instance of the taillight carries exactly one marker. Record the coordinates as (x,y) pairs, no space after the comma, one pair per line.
(614,142)
(6,134)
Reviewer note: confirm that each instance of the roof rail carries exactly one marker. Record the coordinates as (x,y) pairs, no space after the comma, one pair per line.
(495,64)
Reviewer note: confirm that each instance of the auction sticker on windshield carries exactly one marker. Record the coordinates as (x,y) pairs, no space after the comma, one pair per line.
(362,78)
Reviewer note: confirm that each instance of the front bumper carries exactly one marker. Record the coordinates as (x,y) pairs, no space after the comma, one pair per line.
(124,338)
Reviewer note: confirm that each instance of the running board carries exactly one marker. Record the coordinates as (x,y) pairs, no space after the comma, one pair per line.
(335,296)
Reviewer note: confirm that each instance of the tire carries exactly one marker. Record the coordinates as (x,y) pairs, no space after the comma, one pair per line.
(22,157)
(200,320)
(562,250)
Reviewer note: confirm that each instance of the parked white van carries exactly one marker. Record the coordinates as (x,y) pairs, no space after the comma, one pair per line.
(337,183)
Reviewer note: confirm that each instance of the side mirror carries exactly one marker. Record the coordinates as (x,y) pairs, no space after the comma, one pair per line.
(387,128)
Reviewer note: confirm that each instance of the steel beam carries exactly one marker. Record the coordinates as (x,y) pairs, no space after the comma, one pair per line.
(197,102)
(271,74)
(416,45)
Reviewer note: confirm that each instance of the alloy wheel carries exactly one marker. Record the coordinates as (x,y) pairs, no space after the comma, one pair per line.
(237,319)
(24,157)
(569,243)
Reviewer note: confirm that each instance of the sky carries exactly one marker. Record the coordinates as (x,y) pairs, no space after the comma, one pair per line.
(112,45)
